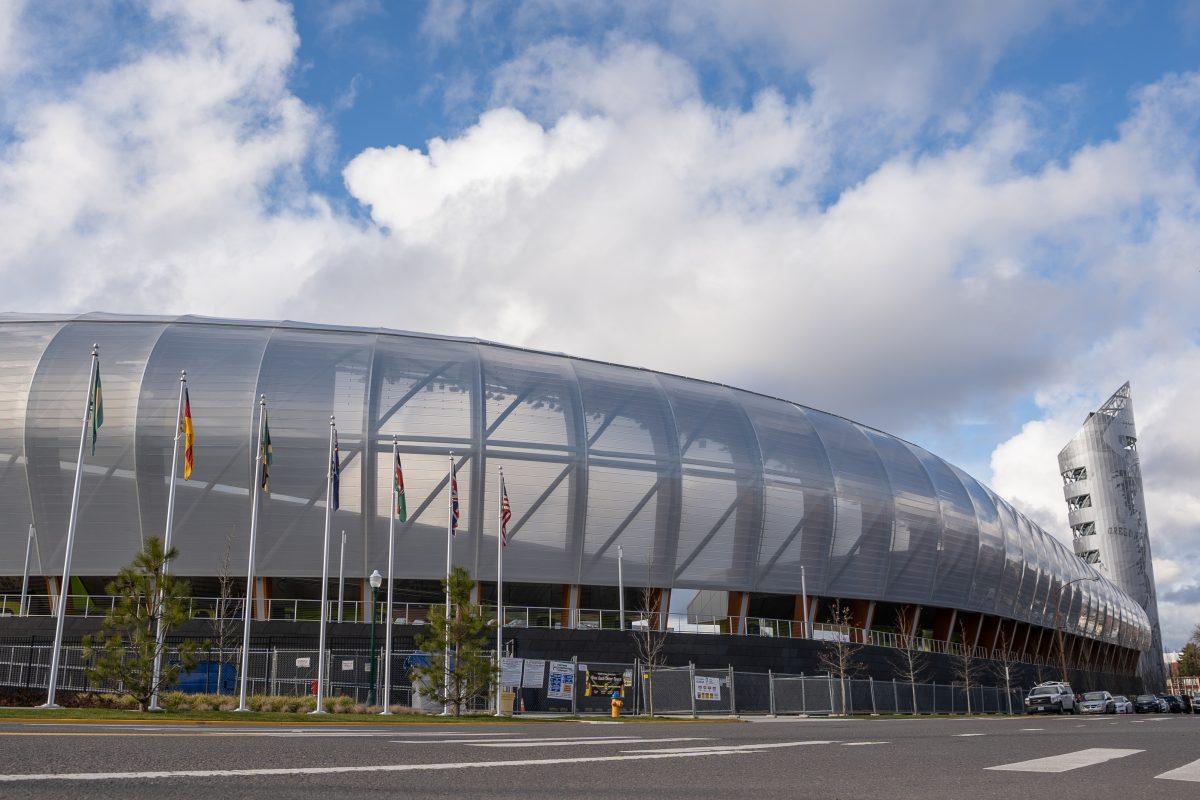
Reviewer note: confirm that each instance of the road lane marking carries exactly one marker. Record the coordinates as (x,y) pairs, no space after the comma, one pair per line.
(970,734)
(860,744)
(732,748)
(350,770)
(1033,729)
(590,742)
(1068,761)
(1188,772)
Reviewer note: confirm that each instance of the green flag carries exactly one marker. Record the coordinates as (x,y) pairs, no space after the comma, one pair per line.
(97,407)
(265,451)
(398,488)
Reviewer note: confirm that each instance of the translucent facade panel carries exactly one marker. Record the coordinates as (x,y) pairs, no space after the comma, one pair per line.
(721,515)
(1014,559)
(212,510)
(422,391)
(989,569)
(958,549)
(108,532)
(21,348)
(540,493)
(862,533)
(1041,597)
(798,498)
(918,521)
(633,475)
(623,507)
(528,400)
(1032,571)
(306,377)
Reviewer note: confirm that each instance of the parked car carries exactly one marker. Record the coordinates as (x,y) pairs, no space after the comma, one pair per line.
(1147,704)
(1124,706)
(1188,707)
(1196,703)
(1173,704)
(1052,696)
(1097,703)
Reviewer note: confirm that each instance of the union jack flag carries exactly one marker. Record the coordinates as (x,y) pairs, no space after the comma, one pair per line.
(453,500)
(505,512)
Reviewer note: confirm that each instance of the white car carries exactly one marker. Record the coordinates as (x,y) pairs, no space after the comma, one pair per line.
(1051,697)
(1124,704)
(1098,703)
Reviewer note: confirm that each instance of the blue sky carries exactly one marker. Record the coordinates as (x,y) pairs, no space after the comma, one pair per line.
(965,223)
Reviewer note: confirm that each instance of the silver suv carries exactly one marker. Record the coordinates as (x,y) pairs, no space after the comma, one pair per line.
(1052,696)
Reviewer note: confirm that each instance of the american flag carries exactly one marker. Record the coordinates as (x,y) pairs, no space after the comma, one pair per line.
(505,512)
(453,500)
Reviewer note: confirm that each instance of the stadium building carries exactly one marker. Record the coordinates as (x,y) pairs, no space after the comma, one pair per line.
(702,486)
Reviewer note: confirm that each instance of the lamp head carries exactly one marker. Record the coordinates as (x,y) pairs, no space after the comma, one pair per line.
(376,579)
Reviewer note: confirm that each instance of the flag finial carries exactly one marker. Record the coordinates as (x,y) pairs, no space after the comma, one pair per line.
(182,375)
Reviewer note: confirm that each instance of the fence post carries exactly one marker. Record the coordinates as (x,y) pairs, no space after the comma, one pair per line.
(273,672)
(829,679)
(692,686)
(803,694)
(871,686)
(935,707)
(952,712)
(732,693)
(574,685)
(771,691)
(896,697)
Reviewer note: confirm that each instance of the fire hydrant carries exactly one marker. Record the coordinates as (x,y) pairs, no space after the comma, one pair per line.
(617,704)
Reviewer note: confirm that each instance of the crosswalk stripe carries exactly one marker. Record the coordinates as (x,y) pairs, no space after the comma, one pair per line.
(733,748)
(1068,761)
(1188,772)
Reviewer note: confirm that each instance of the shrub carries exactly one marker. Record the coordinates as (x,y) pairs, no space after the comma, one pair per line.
(174,701)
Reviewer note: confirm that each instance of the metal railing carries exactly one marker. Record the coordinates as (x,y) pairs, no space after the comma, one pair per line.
(302,610)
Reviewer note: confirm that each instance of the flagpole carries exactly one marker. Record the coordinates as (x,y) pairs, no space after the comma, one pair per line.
(160,632)
(621,584)
(341,576)
(499,586)
(23,608)
(387,636)
(449,558)
(63,588)
(321,665)
(254,492)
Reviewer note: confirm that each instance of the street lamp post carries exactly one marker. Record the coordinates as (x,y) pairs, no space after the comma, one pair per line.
(376,581)
(1058,631)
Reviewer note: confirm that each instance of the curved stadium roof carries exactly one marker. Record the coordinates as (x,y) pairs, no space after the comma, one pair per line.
(704,485)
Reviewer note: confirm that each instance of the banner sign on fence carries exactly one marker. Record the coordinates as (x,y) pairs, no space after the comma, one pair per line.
(510,671)
(347,665)
(707,688)
(562,681)
(603,684)
(306,661)
(535,673)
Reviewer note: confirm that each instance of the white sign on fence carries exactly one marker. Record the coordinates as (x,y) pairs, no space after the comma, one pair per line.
(510,672)
(347,665)
(707,688)
(830,636)
(562,681)
(303,662)
(535,673)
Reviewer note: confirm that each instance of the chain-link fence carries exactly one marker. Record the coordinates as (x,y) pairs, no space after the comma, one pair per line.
(546,686)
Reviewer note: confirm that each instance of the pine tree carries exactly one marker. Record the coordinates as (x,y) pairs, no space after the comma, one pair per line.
(125,648)
(466,635)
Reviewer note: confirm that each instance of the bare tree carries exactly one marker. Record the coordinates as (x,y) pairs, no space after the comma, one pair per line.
(966,665)
(838,653)
(1004,661)
(649,633)
(224,632)
(910,664)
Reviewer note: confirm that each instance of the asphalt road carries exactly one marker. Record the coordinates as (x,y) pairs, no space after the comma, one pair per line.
(1095,757)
